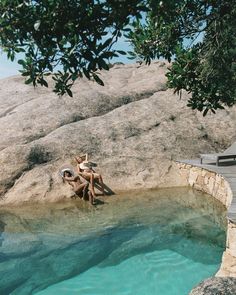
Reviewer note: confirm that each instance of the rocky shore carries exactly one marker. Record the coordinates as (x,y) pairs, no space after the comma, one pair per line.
(133,128)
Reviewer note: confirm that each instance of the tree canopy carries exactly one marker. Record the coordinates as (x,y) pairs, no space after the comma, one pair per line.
(74,38)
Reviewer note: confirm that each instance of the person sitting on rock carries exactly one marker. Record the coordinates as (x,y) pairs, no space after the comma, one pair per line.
(85,169)
(81,189)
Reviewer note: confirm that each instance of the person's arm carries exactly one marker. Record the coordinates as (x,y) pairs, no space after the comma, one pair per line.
(69,178)
(77,160)
(85,157)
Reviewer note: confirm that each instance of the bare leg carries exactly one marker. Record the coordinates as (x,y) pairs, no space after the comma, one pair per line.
(92,185)
(85,190)
(100,180)
(80,188)
(91,199)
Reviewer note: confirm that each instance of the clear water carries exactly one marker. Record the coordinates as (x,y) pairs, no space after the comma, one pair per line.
(156,242)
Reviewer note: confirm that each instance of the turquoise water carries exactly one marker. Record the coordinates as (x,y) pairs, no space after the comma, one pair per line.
(156,272)
(155,242)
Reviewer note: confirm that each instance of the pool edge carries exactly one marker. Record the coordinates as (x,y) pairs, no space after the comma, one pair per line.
(207,180)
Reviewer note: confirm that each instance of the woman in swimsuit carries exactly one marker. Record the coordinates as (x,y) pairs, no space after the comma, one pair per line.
(85,169)
(81,189)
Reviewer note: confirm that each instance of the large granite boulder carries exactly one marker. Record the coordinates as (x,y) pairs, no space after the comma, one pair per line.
(216,286)
(133,128)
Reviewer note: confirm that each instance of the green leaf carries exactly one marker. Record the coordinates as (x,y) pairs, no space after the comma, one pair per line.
(21,62)
(102,64)
(98,80)
(69,92)
(121,52)
(205,112)
(29,81)
(131,57)
(92,65)
(106,44)
(19,50)
(25,74)
(86,73)
(126,29)
(44,83)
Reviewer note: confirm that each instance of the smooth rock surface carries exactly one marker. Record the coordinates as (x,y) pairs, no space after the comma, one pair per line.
(133,128)
(216,286)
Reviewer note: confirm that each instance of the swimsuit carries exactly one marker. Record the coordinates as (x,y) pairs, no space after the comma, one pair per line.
(84,167)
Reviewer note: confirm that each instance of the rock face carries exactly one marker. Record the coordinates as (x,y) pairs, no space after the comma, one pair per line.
(216,286)
(133,128)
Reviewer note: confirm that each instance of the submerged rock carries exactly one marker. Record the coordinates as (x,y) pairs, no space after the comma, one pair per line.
(133,128)
(216,286)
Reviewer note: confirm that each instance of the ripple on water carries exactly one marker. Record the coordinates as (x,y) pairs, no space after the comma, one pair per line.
(158,272)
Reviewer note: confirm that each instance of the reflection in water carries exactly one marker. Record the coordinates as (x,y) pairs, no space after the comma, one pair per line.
(43,245)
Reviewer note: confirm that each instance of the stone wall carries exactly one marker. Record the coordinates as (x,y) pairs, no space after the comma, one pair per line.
(208,182)
(217,186)
(228,265)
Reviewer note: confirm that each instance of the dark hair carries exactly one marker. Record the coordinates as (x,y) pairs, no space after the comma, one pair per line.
(67,171)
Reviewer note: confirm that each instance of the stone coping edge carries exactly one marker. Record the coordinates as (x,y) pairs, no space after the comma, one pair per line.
(216,185)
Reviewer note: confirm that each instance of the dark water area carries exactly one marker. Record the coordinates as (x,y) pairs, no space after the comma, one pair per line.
(41,245)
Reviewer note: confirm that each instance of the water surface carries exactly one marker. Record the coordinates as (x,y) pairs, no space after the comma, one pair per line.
(153,242)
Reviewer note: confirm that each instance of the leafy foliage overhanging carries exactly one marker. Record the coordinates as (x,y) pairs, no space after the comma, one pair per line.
(75,38)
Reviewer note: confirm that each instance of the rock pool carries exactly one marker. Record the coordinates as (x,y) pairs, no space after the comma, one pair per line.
(152,242)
